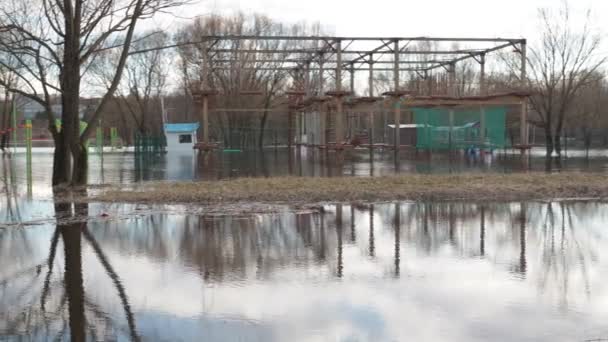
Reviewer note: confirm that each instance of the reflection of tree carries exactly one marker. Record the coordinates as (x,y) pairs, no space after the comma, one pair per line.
(563,254)
(9,185)
(234,248)
(41,316)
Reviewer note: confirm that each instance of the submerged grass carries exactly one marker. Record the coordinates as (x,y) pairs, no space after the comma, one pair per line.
(473,187)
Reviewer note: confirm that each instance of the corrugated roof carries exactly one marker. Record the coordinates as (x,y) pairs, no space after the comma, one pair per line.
(181,127)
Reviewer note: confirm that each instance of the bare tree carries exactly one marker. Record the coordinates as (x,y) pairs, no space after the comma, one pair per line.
(589,112)
(145,79)
(6,77)
(54,44)
(245,72)
(562,63)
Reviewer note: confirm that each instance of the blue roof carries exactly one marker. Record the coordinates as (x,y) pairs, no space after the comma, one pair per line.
(181,127)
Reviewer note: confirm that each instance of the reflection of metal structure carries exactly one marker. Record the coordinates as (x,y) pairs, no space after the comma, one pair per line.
(310,59)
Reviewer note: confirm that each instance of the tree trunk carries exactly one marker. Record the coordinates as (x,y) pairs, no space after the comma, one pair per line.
(587,136)
(61,160)
(558,143)
(70,102)
(262,128)
(3,141)
(81,166)
(548,142)
(5,121)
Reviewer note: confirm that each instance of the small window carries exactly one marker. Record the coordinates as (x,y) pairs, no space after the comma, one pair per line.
(185,138)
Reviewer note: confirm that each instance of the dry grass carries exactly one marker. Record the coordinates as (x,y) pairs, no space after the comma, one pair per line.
(475,187)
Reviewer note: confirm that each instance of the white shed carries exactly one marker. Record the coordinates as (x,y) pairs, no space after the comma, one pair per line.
(181,136)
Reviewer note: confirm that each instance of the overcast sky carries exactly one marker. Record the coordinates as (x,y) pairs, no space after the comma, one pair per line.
(474,18)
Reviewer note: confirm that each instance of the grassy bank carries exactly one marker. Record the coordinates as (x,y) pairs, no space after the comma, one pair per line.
(472,187)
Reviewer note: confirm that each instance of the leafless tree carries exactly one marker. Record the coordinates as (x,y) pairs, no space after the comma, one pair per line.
(246,71)
(564,61)
(588,112)
(144,81)
(6,77)
(54,44)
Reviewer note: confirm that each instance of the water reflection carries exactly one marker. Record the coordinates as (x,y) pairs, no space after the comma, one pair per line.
(43,301)
(461,271)
(129,168)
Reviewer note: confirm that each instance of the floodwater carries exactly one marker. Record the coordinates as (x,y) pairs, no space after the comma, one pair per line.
(347,272)
(402,271)
(120,167)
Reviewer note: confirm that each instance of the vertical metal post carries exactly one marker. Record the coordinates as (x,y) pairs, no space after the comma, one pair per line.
(396,64)
(524,104)
(322,112)
(204,88)
(371,109)
(397,105)
(307,90)
(352,120)
(339,109)
(338,65)
(482,92)
(482,74)
(371,76)
(321,74)
(352,78)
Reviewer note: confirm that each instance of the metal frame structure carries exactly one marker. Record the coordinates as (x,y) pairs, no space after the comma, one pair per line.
(335,55)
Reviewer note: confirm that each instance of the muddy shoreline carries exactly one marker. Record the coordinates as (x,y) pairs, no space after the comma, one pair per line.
(307,190)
